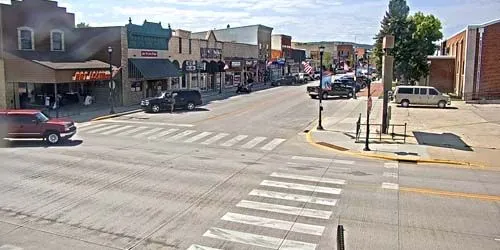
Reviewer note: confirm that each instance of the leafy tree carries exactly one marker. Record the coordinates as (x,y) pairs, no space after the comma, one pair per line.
(327,59)
(82,25)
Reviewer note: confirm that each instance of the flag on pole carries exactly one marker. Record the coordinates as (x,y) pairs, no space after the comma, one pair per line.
(307,68)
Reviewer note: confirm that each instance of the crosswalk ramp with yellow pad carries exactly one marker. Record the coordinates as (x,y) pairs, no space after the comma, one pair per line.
(181,135)
(298,208)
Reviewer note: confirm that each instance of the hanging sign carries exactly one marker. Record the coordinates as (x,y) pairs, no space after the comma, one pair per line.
(91,75)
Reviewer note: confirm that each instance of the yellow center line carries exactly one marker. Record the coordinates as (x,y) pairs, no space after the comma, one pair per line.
(450,194)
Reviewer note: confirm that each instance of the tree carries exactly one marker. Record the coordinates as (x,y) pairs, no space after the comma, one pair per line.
(82,25)
(327,59)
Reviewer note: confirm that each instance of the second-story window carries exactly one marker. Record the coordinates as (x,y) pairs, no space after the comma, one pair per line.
(56,40)
(190,47)
(25,38)
(180,45)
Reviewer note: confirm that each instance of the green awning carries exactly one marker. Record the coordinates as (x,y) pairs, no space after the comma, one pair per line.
(152,69)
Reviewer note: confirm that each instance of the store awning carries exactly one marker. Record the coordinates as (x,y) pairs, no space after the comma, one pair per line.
(153,69)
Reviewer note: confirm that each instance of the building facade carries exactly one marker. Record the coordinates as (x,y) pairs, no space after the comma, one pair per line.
(476,52)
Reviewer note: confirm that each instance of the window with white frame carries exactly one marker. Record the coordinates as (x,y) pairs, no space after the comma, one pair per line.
(25,38)
(56,40)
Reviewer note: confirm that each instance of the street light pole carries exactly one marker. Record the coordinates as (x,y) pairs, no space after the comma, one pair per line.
(220,75)
(320,89)
(111,85)
(367,148)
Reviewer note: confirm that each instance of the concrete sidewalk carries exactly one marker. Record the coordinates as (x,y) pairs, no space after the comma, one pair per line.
(464,134)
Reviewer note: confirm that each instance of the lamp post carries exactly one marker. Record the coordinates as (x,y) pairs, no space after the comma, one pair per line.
(368,108)
(220,74)
(320,89)
(111,85)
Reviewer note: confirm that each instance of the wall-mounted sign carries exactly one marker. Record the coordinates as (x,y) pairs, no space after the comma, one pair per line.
(250,63)
(210,53)
(149,53)
(91,75)
(235,64)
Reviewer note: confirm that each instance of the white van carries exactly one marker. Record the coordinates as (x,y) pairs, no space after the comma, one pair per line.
(420,95)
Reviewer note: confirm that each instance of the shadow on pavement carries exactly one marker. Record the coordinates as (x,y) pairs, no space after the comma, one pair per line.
(444,140)
(427,107)
(37,143)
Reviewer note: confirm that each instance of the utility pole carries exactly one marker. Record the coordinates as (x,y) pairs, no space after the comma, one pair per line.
(368,109)
(387,72)
(320,89)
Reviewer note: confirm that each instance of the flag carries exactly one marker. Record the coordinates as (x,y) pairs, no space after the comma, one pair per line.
(346,67)
(307,68)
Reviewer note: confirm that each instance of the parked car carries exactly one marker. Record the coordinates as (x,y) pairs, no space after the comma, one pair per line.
(315,75)
(337,89)
(34,124)
(186,99)
(348,81)
(421,95)
(285,80)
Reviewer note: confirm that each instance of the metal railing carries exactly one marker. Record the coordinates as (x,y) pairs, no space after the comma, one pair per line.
(392,127)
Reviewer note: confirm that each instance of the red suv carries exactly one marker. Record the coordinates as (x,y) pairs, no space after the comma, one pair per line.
(27,123)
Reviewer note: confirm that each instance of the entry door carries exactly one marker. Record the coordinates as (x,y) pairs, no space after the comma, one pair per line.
(180,99)
(433,97)
(422,96)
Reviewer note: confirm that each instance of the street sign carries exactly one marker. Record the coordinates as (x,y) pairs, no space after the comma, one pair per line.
(370,104)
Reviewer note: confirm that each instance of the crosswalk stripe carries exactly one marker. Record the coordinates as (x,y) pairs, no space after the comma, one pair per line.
(135,130)
(115,130)
(391,165)
(271,145)
(389,185)
(293,197)
(83,124)
(164,133)
(343,162)
(214,139)
(198,137)
(181,135)
(200,247)
(306,158)
(93,126)
(94,131)
(234,140)
(149,132)
(272,223)
(257,240)
(308,178)
(306,212)
(252,143)
(319,189)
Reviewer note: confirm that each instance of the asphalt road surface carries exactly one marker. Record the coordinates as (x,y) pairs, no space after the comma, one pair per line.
(234,174)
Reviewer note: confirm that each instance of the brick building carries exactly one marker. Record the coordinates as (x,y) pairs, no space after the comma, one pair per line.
(441,73)
(476,50)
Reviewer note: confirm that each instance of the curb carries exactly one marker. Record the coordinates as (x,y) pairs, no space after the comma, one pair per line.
(104,117)
(329,146)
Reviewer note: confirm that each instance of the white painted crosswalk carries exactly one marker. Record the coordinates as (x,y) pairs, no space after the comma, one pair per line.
(254,212)
(180,135)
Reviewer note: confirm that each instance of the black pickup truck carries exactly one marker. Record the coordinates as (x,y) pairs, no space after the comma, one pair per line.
(337,89)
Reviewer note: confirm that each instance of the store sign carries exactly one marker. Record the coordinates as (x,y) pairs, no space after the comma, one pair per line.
(91,75)
(149,53)
(235,64)
(210,53)
(250,63)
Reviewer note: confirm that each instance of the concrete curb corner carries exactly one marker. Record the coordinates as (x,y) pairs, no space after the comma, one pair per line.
(104,117)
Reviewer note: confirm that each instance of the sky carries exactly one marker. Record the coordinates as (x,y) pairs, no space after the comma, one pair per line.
(305,20)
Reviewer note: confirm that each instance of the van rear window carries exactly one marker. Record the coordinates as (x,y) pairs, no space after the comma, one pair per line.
(405,90)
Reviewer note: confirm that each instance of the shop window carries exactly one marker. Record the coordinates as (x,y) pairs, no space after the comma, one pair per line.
(56,40)
(190,47)
(136,87)
(180,45)
(25,38)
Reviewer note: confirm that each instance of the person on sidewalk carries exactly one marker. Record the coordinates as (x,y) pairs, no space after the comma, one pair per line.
(172,102)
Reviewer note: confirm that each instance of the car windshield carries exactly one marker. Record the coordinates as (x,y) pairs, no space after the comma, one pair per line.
(41,117)
(163,94)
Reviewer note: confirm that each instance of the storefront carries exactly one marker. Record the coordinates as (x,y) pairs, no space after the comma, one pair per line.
(153,76)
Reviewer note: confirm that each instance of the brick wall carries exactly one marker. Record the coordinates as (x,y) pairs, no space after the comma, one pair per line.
(490,60)
(455,46)
(240,50)
(441,74)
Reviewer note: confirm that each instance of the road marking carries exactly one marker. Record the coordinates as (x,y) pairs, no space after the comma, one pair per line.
(391,165)
(293,197)
(497,239)
(271,145)
(319,189)
(308,178)
(390,174)
(343,162)
(83,124)
(451,194)
(102,129)
(200,247)
(234,140)
(116,130)
(152,123)
(306,212)
(164,133)
(93,126)
(388,185)
(252,143)
(272,223)
(257,240)
(135,130)
(149,132)
(181,135)
(10,247)
(198,137)
(305,158)
(215,138)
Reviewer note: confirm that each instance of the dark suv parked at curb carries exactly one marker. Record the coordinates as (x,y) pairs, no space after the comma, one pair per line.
(186,99)
(34,124)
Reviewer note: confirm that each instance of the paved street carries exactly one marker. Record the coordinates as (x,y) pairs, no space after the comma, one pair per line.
(237,173)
